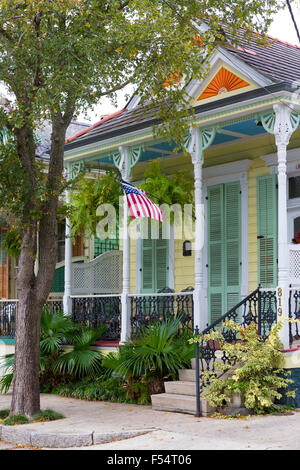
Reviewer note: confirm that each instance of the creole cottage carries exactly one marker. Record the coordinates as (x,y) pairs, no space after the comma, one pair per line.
(244,148)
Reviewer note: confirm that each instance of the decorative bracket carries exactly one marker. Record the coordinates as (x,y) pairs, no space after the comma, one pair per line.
(126,158)
(199,140)
(268,120)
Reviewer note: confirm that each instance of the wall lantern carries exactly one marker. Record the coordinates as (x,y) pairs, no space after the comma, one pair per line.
(187,248)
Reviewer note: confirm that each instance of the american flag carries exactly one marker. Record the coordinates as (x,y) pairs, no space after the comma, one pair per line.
(139,204)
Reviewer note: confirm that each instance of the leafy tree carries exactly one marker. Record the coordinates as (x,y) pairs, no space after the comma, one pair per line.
(58,57)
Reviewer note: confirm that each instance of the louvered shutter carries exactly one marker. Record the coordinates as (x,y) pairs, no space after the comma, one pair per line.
(215,252)
(232,234)
(162,272)
(155,253)
(59,280)
(267,230)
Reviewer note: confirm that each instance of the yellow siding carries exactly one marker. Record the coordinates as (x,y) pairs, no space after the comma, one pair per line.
(258,168)
(183,268)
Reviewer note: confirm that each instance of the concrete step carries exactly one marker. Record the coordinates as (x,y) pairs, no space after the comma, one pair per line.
(187,375)
(180,404)
(181,388)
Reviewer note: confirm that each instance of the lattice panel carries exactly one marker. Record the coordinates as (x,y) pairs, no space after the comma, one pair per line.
(102,275)
(294,274)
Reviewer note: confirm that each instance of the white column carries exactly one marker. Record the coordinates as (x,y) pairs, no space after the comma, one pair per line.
(67,301)
(125,301)
(198,294)
(282,131)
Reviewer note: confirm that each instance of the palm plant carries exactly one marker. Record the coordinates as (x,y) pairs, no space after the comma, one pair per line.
(156,353)
(56,365)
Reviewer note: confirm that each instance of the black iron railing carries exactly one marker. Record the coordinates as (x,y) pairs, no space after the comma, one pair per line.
(97,310)
(55,305)
(8,311)
(294,314)
(148,309)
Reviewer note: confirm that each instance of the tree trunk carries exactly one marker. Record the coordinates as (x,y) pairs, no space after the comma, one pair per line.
(26,389)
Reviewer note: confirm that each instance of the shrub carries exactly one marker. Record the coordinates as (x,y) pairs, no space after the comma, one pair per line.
(47,415)
(4,413)
(15,419)
(99,389)
(258,374)
(150,357)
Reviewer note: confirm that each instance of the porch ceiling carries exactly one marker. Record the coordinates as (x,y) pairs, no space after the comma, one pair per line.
(234,133)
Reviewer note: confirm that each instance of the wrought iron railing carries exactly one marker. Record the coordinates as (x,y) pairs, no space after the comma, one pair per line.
(146,309)
(8,311)
(55,305)
(94,310)
(294,314)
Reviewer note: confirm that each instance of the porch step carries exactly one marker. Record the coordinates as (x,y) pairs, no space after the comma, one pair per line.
(187,375)
(180,404)
(181,388)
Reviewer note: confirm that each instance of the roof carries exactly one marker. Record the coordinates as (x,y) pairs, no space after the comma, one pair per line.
(279,62)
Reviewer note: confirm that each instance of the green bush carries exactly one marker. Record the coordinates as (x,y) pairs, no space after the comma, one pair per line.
(100,389)
(4,413)
(258,374)
(47,415)
(15,419)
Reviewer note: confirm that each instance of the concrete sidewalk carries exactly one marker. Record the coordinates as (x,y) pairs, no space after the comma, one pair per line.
(102,425)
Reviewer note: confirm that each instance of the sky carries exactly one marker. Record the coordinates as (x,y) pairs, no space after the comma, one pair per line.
(281,28)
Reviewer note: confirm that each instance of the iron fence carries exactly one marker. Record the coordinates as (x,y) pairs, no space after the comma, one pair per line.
(294,314)
(96,310)
(146,309)
(8,311)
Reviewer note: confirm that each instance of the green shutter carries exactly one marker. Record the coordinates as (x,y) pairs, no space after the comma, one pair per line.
(155,274)
(224,248)
(232,203)
(59,280)
(148,280)
(267,230)
(215,252)
(162,268)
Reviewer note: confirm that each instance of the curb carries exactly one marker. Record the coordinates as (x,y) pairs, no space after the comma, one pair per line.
(32,438)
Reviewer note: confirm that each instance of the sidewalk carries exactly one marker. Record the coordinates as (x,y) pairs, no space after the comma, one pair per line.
(105,425)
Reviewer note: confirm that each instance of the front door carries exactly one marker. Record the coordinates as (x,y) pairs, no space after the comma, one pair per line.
(155,259)
(224,248)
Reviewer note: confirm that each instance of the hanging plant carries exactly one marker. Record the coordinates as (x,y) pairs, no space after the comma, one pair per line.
(177,188)
(88,195)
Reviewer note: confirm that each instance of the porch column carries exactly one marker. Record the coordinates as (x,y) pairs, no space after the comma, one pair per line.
(67,301)
(124,167)
(283,130)
(200,140)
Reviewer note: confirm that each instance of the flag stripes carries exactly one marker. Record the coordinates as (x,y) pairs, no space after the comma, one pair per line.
(139,204)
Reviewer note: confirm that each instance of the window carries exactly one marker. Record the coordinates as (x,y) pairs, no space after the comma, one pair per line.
(294,187)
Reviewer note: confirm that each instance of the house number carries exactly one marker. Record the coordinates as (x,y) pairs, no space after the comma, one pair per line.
(279,295)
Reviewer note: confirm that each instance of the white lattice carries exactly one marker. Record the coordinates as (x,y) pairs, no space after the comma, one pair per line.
(103,275)
(294,265)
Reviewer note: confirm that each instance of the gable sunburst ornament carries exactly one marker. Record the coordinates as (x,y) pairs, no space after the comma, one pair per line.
(223,82)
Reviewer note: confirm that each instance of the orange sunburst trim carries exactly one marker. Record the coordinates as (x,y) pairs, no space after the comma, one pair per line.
(223,82)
